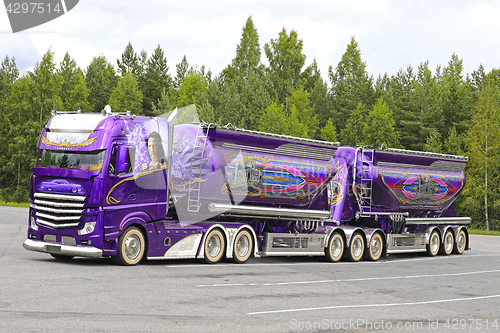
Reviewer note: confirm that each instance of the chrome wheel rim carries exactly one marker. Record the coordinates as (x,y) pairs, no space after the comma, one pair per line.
(461,241)
(375,247)
(132,247)
(357,247)
(242,246)
(214,246)
(434,243)
(448,243)
(336,247)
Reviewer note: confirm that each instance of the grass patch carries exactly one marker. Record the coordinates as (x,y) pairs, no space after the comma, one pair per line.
(14,204)
(484,232)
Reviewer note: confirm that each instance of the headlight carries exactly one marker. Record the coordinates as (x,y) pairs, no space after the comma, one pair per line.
(87,228)
(33,223)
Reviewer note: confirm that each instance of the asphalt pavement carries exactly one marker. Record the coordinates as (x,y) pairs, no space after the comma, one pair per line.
(400,293)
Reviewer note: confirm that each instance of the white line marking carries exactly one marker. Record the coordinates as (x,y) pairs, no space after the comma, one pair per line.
(347,280)
(385,262)
(375,305)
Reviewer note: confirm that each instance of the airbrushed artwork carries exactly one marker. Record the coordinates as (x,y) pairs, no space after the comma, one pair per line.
(132,187)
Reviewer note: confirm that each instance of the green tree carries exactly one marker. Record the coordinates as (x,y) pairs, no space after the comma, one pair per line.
(320,97)
(483,169)
(157,79)
(457,97)
(101,81)
(45,88)
(127,96)
(8,75)
(129,62)
(247,60)
(379,128)
(274,120)
(285,64)
(453,143)
(433,142)
(163,105)
(19,146)
(301,109)
(69,73)
(329,132)
(350,84)
(193,86)
(79,96)
(353,133)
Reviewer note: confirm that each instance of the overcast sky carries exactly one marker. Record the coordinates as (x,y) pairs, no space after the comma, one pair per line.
(391,34)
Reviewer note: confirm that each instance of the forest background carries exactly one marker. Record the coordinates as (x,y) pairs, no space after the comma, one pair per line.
(442,110)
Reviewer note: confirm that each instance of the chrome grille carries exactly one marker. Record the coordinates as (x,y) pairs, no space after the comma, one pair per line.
(59,210)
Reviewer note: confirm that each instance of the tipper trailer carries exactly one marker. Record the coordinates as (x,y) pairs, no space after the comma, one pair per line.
(134,187)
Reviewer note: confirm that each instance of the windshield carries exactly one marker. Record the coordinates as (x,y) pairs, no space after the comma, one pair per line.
(56,159)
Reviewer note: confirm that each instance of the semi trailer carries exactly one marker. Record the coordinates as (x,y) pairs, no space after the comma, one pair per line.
(135,187)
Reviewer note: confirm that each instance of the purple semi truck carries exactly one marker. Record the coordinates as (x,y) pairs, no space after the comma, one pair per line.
(135,187)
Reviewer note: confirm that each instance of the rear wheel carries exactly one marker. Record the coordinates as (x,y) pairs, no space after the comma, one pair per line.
(130,247)
(214,246)
(448,243)
(434,242)
(356,248)
(242,248)
(376,247)
(460,244)
(335,248)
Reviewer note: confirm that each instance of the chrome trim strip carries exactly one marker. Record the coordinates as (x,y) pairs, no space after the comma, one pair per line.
(457,167)
(62,249)
(59,204)
(406,251)
(55,210)
(60,196)
(297,151)
(294,254)
(424,153)
(58,218)
(274,136)
(439,220)
(57,226)
(266,211)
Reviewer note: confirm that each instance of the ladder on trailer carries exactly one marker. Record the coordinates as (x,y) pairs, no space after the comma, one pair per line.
(363,179)
(196,168)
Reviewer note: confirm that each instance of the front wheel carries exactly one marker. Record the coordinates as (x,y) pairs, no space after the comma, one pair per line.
(242,248)
(130,247)
(335,248)
(356,248)
(214,247)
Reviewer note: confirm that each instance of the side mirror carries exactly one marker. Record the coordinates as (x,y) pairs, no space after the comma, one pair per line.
(121,159)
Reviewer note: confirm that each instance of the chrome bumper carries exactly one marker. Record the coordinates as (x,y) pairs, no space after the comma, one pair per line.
(65,250)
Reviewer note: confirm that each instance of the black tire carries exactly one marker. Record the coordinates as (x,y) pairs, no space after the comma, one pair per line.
(131,246)
(356,248)
(448,243)
(376,247)
(335,248)
(61,257)
(242,247)
(460,242)
(434,244)
(214,246)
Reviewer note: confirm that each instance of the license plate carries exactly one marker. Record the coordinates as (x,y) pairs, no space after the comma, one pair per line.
(53,248)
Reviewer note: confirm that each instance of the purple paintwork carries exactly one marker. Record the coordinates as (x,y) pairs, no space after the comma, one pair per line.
(225,166)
